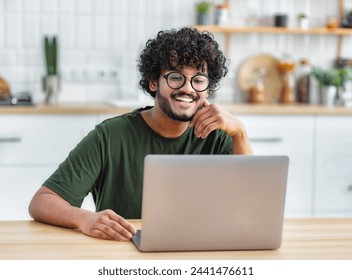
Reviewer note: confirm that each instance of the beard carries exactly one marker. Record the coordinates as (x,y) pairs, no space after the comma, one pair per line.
(165,106)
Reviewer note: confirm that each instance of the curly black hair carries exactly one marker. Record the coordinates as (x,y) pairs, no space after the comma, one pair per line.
(174,49)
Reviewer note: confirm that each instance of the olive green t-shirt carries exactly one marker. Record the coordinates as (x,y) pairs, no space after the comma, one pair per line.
(108,162)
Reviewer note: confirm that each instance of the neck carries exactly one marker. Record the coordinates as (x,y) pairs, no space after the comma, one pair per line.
(164,125)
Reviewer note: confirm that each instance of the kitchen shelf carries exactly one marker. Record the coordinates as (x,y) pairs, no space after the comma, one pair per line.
(276,30)
(229,30)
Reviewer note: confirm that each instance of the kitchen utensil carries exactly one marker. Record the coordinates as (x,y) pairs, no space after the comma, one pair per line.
(246,75)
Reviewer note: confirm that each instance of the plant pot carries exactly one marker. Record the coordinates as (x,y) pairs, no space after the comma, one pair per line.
(203,19)
(328,95)
(303,23)
(51,87)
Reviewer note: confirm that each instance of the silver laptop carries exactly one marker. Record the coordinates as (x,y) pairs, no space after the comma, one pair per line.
(212,202)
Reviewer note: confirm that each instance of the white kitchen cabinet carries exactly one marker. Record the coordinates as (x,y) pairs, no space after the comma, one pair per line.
(333,187)
(31,148)
(291,136)
(18,185)
(40,139)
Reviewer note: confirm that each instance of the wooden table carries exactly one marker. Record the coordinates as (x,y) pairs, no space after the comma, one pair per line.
(303,239)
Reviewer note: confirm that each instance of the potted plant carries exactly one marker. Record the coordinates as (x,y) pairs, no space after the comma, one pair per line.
(303,21)
(332,83)
(203,9)
(51,79)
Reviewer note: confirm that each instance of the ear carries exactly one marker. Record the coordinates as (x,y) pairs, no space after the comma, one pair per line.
(153,86)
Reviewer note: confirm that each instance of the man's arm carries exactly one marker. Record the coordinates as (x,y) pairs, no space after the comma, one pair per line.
(212,117)
(48,207)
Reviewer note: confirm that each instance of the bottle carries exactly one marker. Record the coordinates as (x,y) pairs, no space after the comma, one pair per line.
(303,81)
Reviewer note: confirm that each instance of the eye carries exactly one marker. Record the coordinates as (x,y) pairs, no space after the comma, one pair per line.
(175,77)
(200,79)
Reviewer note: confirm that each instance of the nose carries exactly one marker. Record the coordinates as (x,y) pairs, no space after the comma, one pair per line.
(187,87)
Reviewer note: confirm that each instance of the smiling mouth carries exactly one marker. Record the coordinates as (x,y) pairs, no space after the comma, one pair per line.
(185,98)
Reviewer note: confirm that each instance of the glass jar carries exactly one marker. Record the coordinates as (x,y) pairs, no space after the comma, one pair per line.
(257,90)
(221,14)
(286,69)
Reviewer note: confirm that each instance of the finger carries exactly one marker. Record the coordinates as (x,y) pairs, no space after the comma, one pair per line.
(108,233)
(123,222)
(199,123)
(200,113)
(121,225)
(208,129)
(113,230)
(205,127)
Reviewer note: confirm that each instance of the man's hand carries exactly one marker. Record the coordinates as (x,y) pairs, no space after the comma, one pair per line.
(107,225)
(212,117)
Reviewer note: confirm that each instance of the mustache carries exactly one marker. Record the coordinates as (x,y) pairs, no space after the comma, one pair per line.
(180,94)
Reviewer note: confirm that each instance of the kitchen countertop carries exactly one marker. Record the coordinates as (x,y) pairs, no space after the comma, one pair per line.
(235,108)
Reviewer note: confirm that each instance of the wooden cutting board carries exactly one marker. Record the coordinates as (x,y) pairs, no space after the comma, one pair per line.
(246,75)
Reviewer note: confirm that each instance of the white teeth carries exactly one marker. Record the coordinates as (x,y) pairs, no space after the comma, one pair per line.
(184,99)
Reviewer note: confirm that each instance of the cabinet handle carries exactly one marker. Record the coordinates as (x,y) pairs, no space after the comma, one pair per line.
(349,188)
(10,139)
(266,140)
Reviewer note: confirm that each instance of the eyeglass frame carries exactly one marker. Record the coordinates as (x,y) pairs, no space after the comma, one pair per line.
(166,76)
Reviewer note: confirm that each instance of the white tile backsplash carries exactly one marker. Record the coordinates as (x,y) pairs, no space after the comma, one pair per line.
(102,33)
(67,6)
(48,6)
(2,31)
(84,6)
(12,31)
(100,41)
(30,32)
(31,6)
(84,35)
(12,5)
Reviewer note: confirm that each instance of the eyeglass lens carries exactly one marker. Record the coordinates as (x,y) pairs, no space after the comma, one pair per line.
(177,80)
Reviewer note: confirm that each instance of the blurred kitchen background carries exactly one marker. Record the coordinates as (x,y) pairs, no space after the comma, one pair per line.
(289,82)
(99,41)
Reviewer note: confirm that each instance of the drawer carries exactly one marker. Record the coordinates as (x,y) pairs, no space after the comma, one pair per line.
(41,139)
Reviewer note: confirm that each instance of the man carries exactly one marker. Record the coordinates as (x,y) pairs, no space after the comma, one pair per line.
(180,69)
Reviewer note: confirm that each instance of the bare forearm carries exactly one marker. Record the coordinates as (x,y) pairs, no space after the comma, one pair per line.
(241,144)
(48,207)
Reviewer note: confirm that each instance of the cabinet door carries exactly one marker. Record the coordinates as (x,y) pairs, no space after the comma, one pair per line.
(291,136)
(334,166)
(40,139)
(18,185)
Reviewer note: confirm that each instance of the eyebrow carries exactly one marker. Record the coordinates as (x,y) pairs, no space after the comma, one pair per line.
(178,71)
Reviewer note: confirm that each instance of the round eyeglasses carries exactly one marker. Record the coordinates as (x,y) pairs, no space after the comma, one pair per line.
(176,80)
